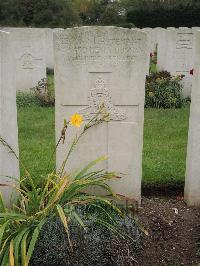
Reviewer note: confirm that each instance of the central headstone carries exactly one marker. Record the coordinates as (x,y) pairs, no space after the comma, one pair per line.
(103,65)
(9,165)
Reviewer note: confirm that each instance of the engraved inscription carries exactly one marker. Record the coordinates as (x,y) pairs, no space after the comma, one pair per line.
(100,96)
(184,41)
(87,46)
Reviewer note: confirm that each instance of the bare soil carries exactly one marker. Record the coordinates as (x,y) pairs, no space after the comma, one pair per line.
(174,232)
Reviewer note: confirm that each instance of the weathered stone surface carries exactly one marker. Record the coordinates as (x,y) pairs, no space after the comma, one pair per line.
(96,65)
(49,47)
(178,55)
(192,181)
(152,38)
(29,44)
(161,50)
(9,165)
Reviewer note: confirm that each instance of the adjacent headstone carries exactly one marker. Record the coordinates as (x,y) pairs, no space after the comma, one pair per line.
(149,47)
(49,47)
(9,165)
(195,28)
(152,39)
(29,56)
(95,66)
(161,50)
(163,45)
(192,181)
(178,51)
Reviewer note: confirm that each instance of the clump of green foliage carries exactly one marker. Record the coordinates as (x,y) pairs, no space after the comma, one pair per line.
(41,95)
(163,91)
(59,194)
(26,99)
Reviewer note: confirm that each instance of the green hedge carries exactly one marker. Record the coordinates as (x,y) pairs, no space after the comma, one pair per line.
(165,16)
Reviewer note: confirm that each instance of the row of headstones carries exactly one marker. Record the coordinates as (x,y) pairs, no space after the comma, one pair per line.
(175,52)
(34,53)
(95,66)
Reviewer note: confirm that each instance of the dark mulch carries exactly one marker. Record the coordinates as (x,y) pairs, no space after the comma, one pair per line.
(174,234)
(163,190)
(96,246)
(174,230)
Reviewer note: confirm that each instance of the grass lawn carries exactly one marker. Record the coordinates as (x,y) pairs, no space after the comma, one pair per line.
(36,139)
(165,144)
(165,140)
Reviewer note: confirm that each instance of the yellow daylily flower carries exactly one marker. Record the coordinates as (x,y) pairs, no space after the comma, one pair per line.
(151,94)
(76,120)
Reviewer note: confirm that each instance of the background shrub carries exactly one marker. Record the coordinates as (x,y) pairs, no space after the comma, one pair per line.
(26,99)
(155,75)
(44,92)
(41,95)
(163,91)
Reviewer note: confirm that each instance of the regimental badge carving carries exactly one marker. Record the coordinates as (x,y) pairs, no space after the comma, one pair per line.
(100,96)
(27,61)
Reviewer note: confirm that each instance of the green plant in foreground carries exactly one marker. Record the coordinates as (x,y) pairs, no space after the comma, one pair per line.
(58,195)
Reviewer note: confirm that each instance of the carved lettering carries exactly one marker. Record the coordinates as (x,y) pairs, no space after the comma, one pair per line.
(184,41)
(84,46)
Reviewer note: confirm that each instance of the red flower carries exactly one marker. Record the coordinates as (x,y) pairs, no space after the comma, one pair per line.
(180,198)
(151,54)
(192,71)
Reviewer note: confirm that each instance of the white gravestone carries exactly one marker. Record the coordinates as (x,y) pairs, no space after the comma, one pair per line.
(29,44)
(161,50)
(164,52)
(149,45)
(9,165)
(49,47)
(151,38)
(103,65)
(179,55)
(153,35)
(192,181)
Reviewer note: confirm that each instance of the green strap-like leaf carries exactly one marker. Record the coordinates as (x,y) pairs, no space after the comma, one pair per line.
(90,165)
(12,215)
(79,220)
(5,260)
(34,239)
(17,245)
(24,248)
(64,221)
(2,205)
(2,230)
(11,254)
(62,216)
